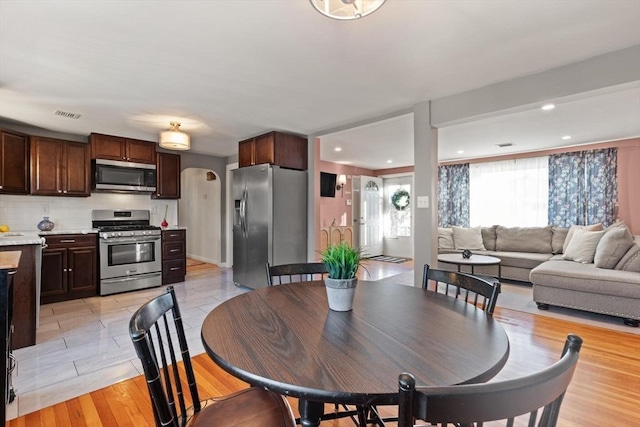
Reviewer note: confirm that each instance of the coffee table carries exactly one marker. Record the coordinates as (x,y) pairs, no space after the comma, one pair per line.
(472,261)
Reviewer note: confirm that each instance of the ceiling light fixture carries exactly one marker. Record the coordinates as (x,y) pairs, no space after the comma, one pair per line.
(460,151)
(566,137)
(548,107)
(174,138)
(346,9)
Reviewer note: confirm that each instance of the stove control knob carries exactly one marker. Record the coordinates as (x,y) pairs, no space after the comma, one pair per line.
(133,233)
(144,233)
(119,234)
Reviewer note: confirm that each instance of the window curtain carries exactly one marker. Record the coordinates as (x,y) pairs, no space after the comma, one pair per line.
(512,193)
(453,195)
(583,187)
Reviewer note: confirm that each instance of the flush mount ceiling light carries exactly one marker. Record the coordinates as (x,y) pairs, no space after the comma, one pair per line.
(346,9)
(174,138)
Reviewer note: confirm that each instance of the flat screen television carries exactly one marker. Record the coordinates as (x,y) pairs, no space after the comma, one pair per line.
(327,184)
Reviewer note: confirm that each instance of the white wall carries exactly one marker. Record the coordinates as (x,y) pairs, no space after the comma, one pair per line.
(23,213)
(200,211)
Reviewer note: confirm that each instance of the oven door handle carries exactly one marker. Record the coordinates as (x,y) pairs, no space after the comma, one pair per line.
(129,240)
(129,278)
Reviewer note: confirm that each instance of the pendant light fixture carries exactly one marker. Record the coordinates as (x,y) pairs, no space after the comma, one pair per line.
(174,138)
(346,9)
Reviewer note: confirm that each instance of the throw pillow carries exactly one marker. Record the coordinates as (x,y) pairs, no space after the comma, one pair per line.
(582,246)
(445,238)
(489,237)
(594,227)
(468,238)
(557,241)
(524,239)
(613,246)
(631,260)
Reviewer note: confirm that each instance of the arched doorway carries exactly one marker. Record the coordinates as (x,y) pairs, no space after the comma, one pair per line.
(199,211)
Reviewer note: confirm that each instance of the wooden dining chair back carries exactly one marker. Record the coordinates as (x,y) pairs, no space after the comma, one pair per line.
(158,336)
(290,273)
(536,397)
(476,290)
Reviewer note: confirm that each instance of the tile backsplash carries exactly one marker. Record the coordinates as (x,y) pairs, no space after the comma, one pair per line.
(23,213)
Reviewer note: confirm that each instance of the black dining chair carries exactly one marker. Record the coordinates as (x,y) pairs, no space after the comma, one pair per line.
(159,339)
(534,399)
(289,273)
(481,291)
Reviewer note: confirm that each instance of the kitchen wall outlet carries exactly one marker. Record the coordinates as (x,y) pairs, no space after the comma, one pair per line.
(423,202)
(348,202)
(45,208)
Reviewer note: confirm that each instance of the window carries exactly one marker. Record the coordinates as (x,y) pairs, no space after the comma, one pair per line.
(512,193)
(397,219)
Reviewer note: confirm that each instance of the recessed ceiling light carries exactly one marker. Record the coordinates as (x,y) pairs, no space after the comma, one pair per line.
(389,161)
(566,137)
(338,149)
(548,107)
(460,151)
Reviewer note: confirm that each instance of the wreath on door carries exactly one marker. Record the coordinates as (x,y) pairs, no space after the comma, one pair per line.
(400,200)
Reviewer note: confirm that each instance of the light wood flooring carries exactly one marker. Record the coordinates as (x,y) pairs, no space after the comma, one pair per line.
(605,390)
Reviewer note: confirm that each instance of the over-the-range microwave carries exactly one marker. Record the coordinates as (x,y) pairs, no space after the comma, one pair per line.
(114,175)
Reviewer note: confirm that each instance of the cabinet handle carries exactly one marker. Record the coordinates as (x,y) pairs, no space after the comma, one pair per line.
(59,191)
(174,250)
(69,269)
(0,187)
(11,273)
(64,270)
(65,191)
(173,235)
(68,241)
(174,268)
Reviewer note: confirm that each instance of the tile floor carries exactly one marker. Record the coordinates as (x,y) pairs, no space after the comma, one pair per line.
(84,345)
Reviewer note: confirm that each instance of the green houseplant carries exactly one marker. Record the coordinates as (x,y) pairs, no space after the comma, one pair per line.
(342,262)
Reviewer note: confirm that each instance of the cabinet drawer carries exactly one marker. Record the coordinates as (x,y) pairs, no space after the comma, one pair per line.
(67,240)
(173,235)
(173,271)
(173,250)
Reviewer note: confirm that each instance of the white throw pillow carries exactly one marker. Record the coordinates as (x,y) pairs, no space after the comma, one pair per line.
(445,238)
(567,240)
(582,246)
(468,238)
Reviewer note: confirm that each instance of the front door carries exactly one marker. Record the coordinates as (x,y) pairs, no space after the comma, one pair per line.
(371,215)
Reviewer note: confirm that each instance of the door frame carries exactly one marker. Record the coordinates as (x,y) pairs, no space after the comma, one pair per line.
(228,262)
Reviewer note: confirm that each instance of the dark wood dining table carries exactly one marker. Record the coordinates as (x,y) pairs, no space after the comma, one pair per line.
(286,339)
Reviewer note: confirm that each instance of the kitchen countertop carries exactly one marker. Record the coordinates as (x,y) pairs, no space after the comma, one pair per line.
(83,231)
(13,238)
(174,227)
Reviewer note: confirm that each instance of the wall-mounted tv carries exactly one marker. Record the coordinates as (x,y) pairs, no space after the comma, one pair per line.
(327,184)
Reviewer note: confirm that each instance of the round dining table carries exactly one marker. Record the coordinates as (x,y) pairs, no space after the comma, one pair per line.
(286,339)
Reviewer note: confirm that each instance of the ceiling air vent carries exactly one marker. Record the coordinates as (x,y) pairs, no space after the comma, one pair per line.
(506,144)
(67,114)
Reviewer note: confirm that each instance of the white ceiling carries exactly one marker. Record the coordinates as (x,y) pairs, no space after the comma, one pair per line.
(229,70)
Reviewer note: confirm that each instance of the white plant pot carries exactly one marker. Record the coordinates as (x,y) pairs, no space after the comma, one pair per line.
(340,293)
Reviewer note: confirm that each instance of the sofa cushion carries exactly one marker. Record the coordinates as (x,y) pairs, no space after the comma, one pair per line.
(586,278)
(582,247)
(489,237)
(594,227)
(524,239)
(557,241)
(631,260)
(445,238)
(467,238)
(613,245)
(520,259)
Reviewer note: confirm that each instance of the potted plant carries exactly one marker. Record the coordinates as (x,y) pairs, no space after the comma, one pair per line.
(342,262)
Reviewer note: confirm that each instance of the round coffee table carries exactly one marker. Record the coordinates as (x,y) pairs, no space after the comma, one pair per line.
(472,261)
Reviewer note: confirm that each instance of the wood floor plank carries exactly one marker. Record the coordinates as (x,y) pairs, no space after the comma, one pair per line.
(107,419)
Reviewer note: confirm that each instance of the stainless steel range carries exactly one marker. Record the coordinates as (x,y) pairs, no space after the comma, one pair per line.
(130,250)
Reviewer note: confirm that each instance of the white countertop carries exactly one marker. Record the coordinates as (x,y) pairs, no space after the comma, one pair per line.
(83,231)
(13,238)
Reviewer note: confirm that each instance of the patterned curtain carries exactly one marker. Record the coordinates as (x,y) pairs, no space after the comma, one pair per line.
(583,187)
(453,195)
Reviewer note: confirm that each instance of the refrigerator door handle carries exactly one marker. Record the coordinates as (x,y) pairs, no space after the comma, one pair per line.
(243,213)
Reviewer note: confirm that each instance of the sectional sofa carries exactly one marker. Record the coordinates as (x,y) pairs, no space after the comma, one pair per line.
(595,274)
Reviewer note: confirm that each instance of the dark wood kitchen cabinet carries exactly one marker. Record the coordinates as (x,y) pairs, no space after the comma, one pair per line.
(174,256)
(168,176)
(119,148)
(60,168)
(276,148)
(14,162)
(69,267)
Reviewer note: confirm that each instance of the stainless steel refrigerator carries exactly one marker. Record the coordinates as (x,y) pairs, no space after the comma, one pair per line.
(270,221)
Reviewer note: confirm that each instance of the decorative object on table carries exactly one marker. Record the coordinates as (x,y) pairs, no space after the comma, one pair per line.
(342,262)
(466,254)
(401,199)
(164,222)
(45,224)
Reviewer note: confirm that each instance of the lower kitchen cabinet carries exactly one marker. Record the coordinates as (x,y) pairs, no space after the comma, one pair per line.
(24,297)
(174,256)
(69,267)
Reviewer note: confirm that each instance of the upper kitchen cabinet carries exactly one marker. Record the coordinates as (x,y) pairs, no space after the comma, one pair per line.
(60,168)
(168,176)
(119,148)
(276,148)
(14,162)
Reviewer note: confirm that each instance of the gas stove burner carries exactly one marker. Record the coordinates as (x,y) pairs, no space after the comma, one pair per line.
(127,227)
